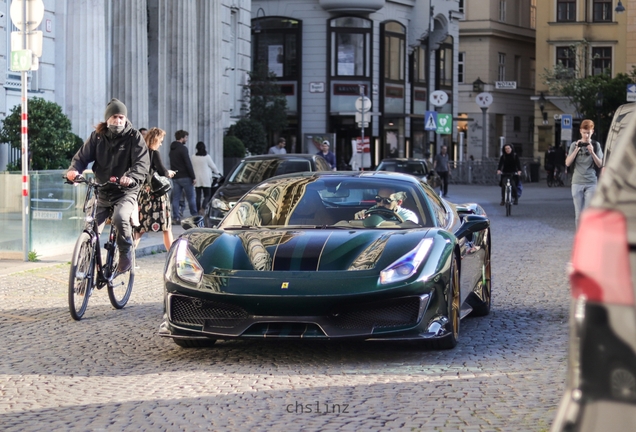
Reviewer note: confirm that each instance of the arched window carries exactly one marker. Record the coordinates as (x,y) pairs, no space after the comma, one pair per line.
(275,43)
(350,45)
(394,51)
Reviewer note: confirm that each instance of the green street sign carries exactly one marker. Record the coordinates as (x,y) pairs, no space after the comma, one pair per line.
(21,60)
(444,124)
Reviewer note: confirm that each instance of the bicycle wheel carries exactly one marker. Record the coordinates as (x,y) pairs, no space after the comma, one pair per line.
(508,208)
(81,277)
(121,284)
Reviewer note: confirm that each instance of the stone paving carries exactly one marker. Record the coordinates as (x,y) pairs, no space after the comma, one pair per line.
(110,372)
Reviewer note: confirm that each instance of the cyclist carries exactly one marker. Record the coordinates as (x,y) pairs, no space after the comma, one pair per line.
(116,149)
(509,166)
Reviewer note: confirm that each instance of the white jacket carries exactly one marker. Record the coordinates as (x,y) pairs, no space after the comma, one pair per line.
(203,168)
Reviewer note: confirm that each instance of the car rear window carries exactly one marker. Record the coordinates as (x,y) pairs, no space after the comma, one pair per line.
(255,171)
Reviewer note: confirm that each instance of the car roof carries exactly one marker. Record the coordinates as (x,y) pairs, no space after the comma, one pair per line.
(280,156)
(375,175)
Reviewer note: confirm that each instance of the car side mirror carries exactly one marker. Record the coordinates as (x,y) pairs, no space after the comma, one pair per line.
(471,225)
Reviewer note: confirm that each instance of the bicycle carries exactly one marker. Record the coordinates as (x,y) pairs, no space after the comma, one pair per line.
(555,177)
(507,194)
(89,269)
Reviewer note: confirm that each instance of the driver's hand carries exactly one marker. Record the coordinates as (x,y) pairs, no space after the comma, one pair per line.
(360,215)
(71,175)
(125,181)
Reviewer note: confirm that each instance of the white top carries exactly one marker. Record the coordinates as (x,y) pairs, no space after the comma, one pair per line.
(203,168)
(277,150)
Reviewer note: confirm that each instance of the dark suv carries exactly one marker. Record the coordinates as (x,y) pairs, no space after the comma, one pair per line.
(253,170)
(420,168)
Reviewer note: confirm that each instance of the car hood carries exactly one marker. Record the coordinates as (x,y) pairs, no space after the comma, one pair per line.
(306,250)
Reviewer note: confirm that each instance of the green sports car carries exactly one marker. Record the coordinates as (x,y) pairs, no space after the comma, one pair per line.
(331,255)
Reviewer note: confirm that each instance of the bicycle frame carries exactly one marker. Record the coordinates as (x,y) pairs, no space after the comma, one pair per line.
(93,230)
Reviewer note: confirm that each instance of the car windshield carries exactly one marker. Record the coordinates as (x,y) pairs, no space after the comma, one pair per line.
(331,201)
(255,171)
(408,167)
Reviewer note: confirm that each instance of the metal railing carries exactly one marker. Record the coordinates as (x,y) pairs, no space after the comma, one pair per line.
(483,172)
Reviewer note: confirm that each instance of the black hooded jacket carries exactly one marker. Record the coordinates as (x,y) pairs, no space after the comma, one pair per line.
(509,163)
(180,161)
(118,155)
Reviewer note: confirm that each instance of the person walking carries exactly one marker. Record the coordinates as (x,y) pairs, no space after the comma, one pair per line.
(116,149)
(279,148)
(442,166)
(184,178)
(583,155)
(204,170)
(155,211)
(326,153)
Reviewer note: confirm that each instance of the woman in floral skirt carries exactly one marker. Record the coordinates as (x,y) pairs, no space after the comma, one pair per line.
(154,211)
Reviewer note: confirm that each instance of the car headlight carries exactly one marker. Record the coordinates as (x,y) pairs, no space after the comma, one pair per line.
(187,266)
(220,204)
(407,265)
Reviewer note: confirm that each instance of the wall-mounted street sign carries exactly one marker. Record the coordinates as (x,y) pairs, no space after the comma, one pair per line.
(316,87)
(444,124)
(430,121)
(506,85)
(631,92)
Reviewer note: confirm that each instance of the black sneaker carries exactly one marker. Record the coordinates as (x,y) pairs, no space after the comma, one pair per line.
(516,201)
(125,262)
(176,221)
(502,203)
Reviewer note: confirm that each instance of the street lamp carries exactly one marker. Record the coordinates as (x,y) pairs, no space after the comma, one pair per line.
(619,7)
(478,85)
(598,104)
(544,115)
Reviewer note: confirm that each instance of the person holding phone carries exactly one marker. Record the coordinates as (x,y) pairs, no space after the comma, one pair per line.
(582,156)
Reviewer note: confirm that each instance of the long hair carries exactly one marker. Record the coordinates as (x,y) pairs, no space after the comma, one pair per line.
(201,149)
(155,137)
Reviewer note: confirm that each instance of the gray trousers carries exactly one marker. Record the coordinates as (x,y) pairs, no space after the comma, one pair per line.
(581,195)
(124,209)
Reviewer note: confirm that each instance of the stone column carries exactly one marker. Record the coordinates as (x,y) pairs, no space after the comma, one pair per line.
(129,70)
(85,65)
(177,53)
(211,77)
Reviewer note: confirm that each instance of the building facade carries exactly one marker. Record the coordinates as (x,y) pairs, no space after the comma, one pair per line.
(497,56)
(175,64)
(328,54)
(585,37)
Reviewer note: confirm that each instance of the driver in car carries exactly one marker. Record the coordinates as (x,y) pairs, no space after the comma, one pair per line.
(390,199)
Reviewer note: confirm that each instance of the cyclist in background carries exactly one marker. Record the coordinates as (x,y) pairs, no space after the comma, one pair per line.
(116,150)
(509,165)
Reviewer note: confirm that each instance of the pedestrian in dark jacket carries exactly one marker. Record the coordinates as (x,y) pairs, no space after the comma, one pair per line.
(116,149)
(509,165)
(184,179)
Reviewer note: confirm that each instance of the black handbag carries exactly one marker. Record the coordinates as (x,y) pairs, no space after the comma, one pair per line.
(159,185)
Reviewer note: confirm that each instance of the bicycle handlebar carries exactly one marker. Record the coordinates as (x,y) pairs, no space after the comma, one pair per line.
(113,180)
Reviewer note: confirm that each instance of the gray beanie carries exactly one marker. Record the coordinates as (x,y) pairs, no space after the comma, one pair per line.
(115,106)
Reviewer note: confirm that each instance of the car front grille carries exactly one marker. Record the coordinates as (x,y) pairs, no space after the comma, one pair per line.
(194,311)
(395,313)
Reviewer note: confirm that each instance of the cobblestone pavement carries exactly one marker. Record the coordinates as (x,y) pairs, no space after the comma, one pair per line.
(111,372)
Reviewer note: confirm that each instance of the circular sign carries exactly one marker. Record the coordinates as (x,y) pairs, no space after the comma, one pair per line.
(363,104)
(439,98)
(484,100)
(34,14)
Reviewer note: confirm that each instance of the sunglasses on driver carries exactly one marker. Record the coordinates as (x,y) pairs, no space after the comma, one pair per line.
(380,199)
